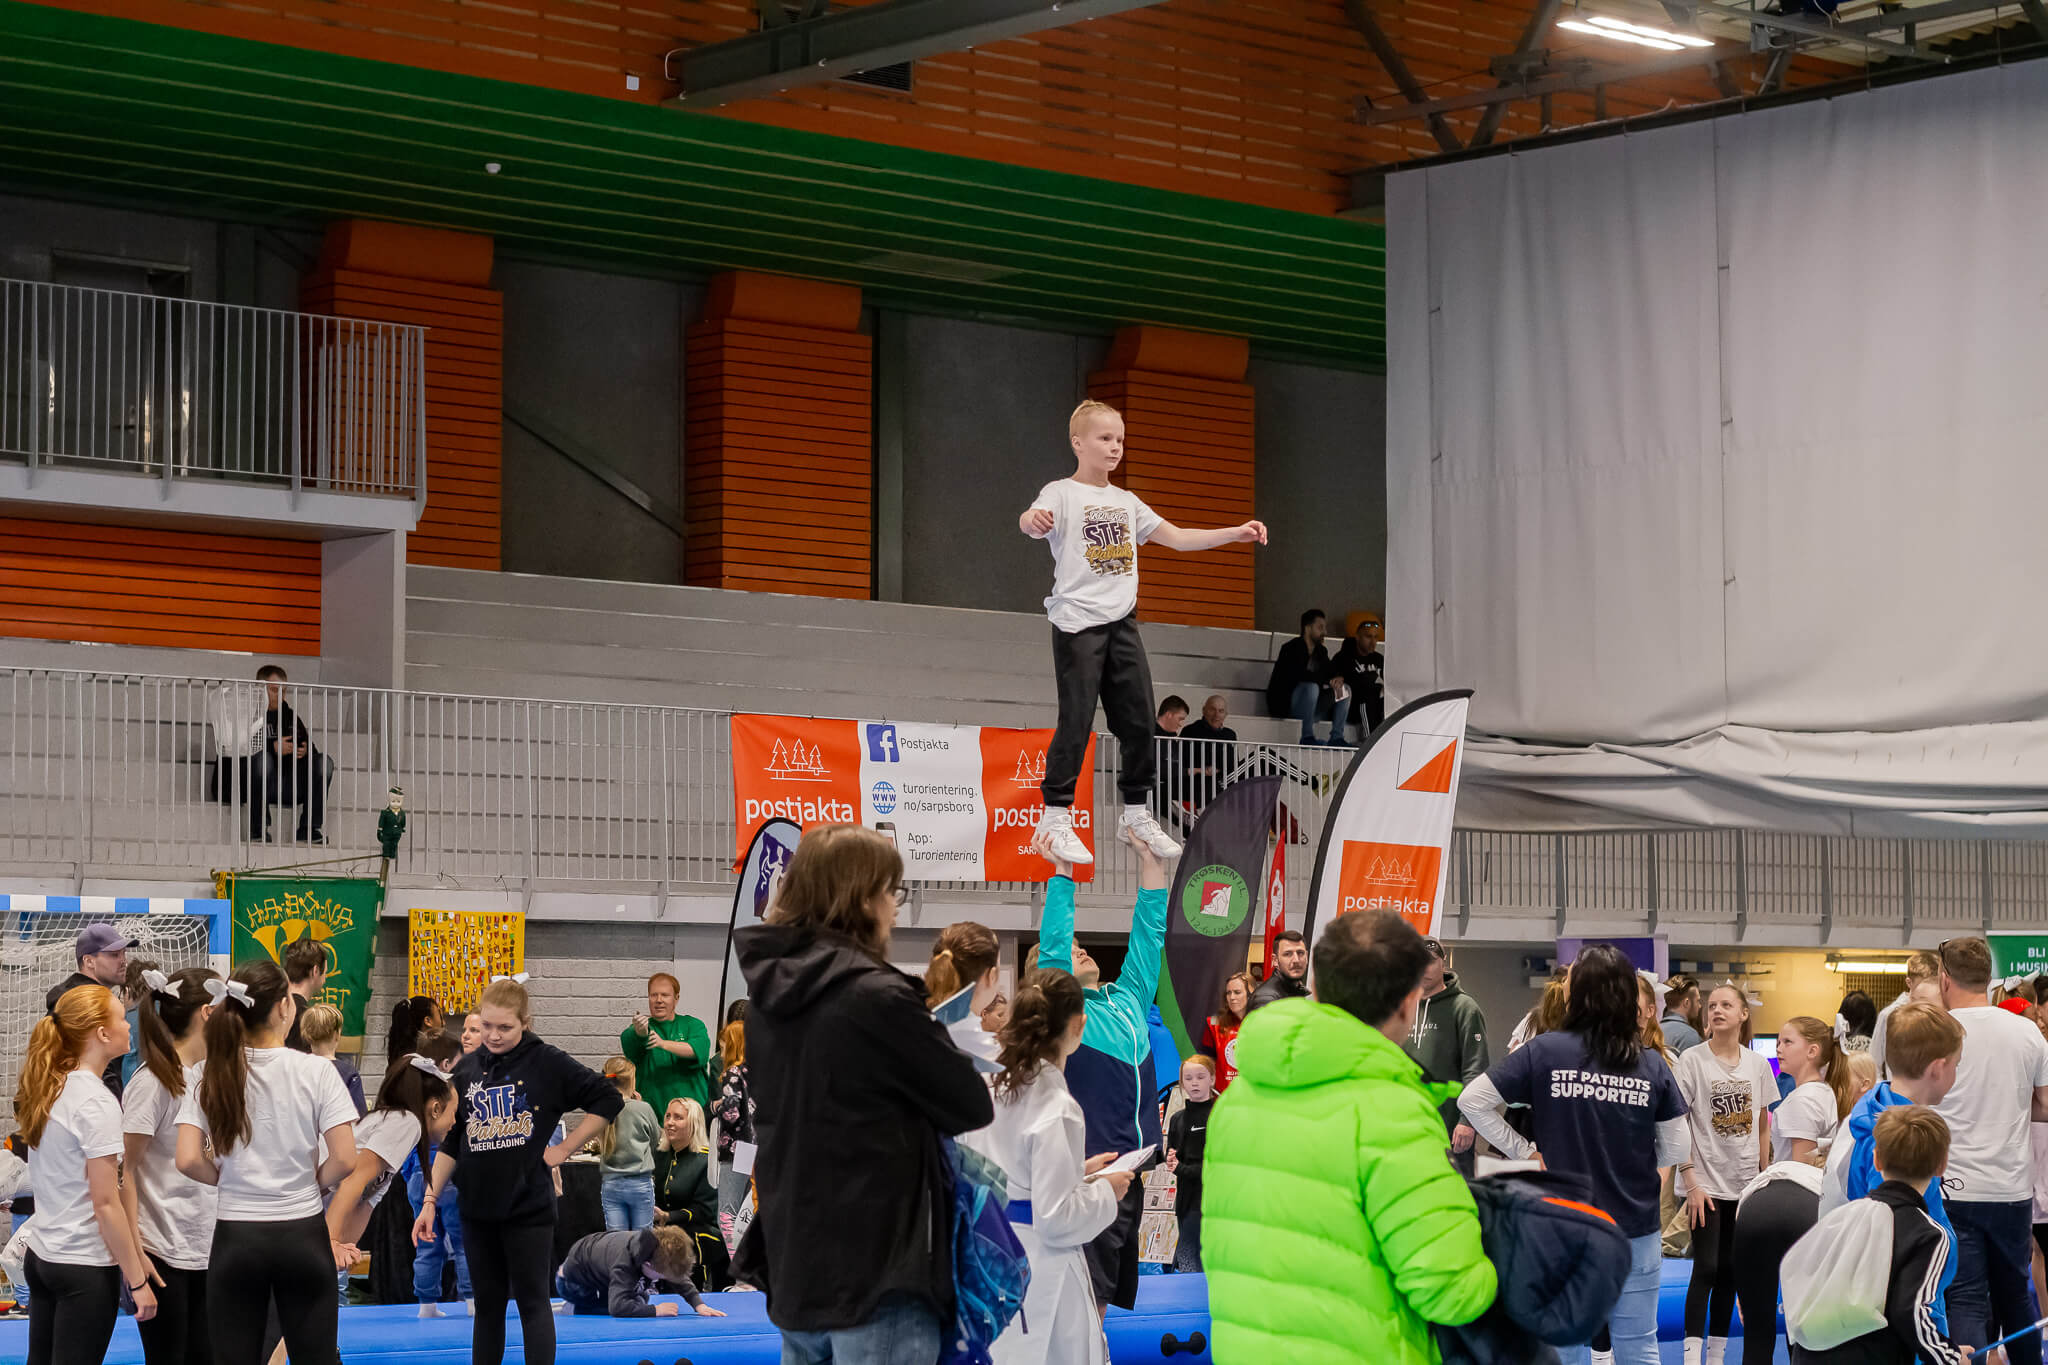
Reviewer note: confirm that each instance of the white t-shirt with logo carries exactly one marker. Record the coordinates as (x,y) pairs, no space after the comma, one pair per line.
(1990,1152)
(1725,1104)
(293,1097)
(1808,1112)
(84,1123)
(1095,537)
(174,1211)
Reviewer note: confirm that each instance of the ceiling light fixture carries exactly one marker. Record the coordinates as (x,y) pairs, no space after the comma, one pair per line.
(1878,968)
(1621,30)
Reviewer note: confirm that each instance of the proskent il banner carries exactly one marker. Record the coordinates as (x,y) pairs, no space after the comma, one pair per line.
(1387,839)
(1209,918)
(960,802)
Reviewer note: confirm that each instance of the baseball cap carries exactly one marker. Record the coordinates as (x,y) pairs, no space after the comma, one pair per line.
(101,938)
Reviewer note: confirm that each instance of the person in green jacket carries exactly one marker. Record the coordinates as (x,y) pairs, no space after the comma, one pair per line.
(1334,1230)
(1449,1042)
(667,1050)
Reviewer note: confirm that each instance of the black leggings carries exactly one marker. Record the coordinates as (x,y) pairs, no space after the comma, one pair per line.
(509,1262)
(1711,1295)
(1771,1220)
(178,1331)
(71,1311)
(254,1263)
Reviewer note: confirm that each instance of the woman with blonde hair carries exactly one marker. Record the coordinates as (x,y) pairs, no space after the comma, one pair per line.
(853,1075)
(81,1246)
(684,1196)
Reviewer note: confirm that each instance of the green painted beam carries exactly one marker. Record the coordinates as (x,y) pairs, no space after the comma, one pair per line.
(255,131)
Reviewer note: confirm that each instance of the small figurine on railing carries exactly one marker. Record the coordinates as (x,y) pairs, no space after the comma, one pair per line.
(391,824)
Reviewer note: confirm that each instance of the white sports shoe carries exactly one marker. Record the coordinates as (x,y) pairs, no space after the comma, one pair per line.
(1142,828)
(1061,844)
(431,1310)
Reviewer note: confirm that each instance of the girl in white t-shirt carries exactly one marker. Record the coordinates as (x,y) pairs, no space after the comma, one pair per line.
(1728,1093)
(266,1109)
(80,1246)
(1808,1053)
(415,1108)
(172,1213)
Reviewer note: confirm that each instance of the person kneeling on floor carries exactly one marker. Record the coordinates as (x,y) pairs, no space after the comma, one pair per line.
(618,1273)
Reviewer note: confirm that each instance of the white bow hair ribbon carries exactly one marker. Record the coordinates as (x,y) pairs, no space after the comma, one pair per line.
(520,977)
(1841,1028)
(218,990)
(430,1066)
(158,983)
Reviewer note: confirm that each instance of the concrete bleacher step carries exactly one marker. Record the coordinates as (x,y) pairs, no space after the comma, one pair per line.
(652,644)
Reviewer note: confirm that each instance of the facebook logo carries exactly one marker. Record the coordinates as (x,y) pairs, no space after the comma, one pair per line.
(882,744)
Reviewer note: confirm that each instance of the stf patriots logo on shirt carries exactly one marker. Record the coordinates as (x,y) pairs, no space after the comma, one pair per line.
(498,1117)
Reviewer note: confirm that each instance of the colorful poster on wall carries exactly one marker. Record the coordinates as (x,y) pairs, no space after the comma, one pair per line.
(453,954)
(340,913)
(960,802)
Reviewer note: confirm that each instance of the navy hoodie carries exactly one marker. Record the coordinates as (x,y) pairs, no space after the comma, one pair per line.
(507,1107)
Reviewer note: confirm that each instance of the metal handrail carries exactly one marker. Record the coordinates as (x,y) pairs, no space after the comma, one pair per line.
(185,388)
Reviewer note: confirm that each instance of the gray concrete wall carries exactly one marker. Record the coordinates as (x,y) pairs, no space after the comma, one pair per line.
(597,358)
(985,427)
(1322,491)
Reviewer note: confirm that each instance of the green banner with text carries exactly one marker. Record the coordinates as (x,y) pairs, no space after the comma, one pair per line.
(2017,955)
(339,913)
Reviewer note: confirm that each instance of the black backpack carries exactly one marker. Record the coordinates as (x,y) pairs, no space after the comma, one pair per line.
(1561,1264)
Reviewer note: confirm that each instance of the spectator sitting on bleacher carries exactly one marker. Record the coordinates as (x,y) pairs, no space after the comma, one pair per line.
(1173,713)
(1305,684)
(235,715)
(293,771)
(1364,669)
(1206,765)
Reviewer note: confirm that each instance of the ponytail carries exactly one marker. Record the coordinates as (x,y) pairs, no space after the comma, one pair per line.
(1834,1064)
(408,1017)
(623,1075)
(223,1089)
(963,955)
(54,1047)
(165,1015)
(1039,1018)
(409,1089)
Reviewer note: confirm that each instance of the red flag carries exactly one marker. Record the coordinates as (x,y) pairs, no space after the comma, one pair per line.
(1276,900)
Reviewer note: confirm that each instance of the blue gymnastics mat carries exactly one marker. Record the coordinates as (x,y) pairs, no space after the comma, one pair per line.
(1169,1326)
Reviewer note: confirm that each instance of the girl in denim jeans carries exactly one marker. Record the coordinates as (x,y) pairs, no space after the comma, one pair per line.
(626,1184)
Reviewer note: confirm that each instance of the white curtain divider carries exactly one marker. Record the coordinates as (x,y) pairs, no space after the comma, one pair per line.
(1718,462)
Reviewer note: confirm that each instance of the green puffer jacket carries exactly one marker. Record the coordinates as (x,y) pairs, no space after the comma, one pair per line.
(1333,1227)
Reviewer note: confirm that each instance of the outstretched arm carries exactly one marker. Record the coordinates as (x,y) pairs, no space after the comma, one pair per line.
(1140,975)
(1175,538)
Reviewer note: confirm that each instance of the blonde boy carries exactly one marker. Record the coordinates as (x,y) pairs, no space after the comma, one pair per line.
(1094,529)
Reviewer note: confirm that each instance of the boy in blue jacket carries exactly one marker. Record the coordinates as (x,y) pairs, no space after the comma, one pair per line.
(1923,1046)
(1111,1075)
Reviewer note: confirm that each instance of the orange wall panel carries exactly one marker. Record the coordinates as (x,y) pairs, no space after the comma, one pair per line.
(1188,454)
(443,288)
(121,585)
(778,459)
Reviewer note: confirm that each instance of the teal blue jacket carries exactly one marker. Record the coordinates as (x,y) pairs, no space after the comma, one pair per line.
(1110,1075)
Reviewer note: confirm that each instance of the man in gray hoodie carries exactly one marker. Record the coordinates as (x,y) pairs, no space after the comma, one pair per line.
(1449,1043)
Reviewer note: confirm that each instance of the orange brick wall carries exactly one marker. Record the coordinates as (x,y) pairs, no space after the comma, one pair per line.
(1239,99)
(124,585)
(778,459)
(1188,454)
(437,280)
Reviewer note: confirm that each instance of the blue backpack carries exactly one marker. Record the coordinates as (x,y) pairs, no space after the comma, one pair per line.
(990,1271)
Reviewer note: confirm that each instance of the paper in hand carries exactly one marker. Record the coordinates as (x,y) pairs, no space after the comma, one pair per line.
(956,1007)
(1129,1161)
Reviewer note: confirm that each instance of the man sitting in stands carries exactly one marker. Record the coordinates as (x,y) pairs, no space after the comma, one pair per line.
(1208,764)
(293,769)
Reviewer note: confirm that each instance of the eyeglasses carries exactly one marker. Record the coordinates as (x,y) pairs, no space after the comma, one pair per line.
(902,895)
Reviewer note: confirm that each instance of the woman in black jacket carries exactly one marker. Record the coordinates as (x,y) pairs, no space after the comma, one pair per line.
(854,1084)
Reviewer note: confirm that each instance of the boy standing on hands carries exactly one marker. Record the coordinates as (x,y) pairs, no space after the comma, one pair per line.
(1095,529)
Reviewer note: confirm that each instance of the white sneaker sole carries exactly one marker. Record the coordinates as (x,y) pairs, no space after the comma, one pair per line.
(1075,852)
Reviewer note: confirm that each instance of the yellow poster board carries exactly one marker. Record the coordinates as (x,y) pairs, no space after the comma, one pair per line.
(453,954)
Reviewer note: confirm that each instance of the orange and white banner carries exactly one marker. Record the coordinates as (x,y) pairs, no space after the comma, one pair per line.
(960,802)
(1386,843)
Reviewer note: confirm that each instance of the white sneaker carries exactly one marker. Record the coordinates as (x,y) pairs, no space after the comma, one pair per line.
(1062,845)
(1717,1351)
(431,1310)
(472,1306)
(1603,1358)
(1695,1347)
(1141,828)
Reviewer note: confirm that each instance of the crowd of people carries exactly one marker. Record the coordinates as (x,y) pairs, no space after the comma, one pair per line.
(1320,1142)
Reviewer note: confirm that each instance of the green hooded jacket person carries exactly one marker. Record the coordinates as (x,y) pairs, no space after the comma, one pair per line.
(1334,1230)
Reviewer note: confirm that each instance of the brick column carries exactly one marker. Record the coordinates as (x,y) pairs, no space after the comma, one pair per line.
(778,456)
(1188,453)
(386,272)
